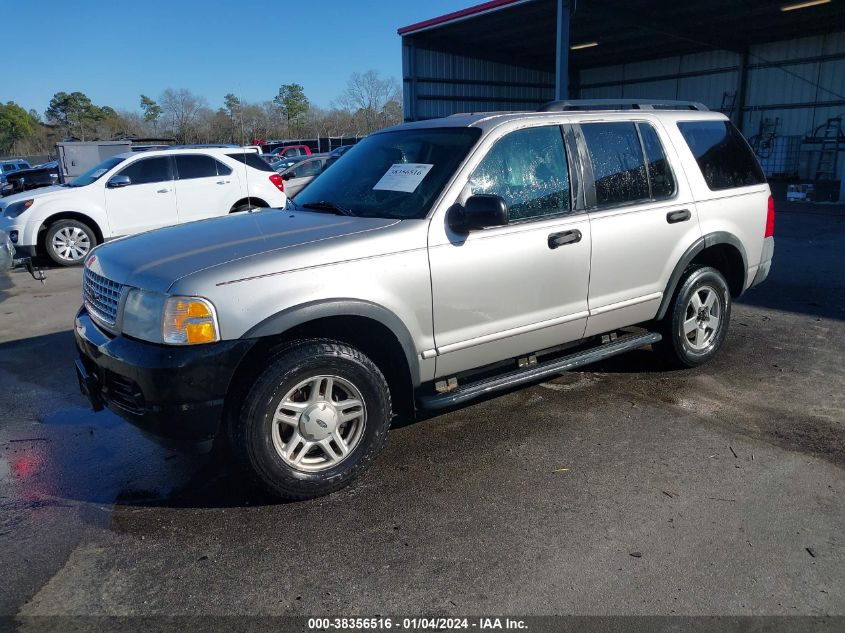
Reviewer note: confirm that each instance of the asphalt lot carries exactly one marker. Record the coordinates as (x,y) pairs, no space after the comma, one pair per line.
(620,489)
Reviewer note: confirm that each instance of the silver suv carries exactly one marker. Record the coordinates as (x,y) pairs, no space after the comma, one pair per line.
(438,261)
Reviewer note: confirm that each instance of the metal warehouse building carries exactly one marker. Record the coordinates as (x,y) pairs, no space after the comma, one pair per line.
(777,68)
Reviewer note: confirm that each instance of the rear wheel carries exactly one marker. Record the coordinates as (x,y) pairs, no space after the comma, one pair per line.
(696,324)
(246,206)
(313,420)
(68,242)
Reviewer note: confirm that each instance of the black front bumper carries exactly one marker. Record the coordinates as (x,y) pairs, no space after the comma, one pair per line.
(175,393)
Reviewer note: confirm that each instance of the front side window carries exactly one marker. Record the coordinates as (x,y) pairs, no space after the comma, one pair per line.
(308,168)
(149,170)
(528,169)
(724,157)
(616,156)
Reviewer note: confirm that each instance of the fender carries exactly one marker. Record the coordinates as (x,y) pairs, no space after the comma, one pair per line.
(706,241)
(299,314)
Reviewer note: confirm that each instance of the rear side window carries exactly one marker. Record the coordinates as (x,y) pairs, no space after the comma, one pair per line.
(618,164)
(660,176)
(148,170)
(196,166)
(528,169)
(725,159)
(252,160)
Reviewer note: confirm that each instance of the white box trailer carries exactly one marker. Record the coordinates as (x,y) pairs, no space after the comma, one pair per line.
(77,157)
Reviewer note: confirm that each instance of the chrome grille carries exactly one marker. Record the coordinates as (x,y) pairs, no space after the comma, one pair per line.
(101,297)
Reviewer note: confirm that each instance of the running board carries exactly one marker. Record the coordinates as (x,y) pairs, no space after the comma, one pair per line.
(533,373)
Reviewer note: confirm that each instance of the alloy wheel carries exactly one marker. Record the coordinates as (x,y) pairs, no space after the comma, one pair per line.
(319,423)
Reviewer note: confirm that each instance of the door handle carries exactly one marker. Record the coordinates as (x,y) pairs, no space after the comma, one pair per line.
(223,182)
(564,238)
(673,217)
(163,191)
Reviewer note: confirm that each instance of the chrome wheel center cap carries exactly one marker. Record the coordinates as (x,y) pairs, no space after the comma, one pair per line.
(318,422)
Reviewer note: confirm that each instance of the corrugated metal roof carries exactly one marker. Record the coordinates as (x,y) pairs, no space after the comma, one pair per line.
(455,16)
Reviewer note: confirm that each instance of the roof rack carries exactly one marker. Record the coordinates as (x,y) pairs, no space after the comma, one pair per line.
(621,104)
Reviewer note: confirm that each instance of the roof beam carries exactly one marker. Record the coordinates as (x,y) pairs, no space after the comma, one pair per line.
(620,13)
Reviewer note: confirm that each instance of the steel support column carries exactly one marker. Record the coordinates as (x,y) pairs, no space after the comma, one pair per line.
(562,57)
(411,107)
(741,90)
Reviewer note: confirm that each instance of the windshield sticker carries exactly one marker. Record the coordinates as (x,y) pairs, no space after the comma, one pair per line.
(403,177)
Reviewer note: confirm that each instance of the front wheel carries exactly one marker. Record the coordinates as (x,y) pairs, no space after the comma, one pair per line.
(68,242)
(696,324)
(314,419)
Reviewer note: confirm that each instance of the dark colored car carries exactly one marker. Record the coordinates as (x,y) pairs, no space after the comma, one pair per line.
(337,152)
(281,164)
(25,179)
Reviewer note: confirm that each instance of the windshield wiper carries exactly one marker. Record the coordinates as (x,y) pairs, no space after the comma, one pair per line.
(325,205)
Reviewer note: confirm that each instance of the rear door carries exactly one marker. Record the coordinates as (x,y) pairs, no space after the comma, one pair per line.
(148,202)
(642,218)
(205,187)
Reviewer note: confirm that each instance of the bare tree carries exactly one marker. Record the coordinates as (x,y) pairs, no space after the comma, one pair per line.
(181,109)
(370,97)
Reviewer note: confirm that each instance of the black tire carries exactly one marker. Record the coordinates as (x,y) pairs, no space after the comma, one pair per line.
(252,432)
(71,256)
(246,206)
(681,348)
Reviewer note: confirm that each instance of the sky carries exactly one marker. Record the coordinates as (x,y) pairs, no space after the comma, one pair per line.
(116,50)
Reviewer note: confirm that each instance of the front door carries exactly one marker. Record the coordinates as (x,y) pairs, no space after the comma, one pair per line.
(511,290)
(302,174)
(148,202)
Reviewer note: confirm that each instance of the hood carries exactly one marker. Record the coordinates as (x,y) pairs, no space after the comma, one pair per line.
(157,259)
(36,194)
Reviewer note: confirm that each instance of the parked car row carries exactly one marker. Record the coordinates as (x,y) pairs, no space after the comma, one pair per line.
(134,192)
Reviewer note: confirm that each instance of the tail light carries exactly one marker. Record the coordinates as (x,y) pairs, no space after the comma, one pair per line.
(277,180)
(770,219)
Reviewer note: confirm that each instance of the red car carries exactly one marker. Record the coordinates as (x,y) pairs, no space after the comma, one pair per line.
(291,150)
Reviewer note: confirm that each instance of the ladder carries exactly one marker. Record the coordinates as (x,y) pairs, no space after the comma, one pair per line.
(832,142)
(763,142)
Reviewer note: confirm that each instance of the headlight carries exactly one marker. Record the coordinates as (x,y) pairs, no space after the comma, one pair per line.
(188,321)
(142,315)
(16,208)
(158,318)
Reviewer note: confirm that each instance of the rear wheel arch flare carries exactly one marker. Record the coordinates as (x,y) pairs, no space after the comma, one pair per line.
(721,250)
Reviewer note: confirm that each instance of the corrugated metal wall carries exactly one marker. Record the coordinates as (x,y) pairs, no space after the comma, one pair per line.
(446,83)
(802,94)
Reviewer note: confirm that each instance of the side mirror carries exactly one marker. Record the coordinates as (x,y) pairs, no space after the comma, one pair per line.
(287,176)
(116,182)
(480,211)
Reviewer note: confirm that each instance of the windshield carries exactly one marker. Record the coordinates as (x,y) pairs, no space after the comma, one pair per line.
(393,174)
(95,172)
